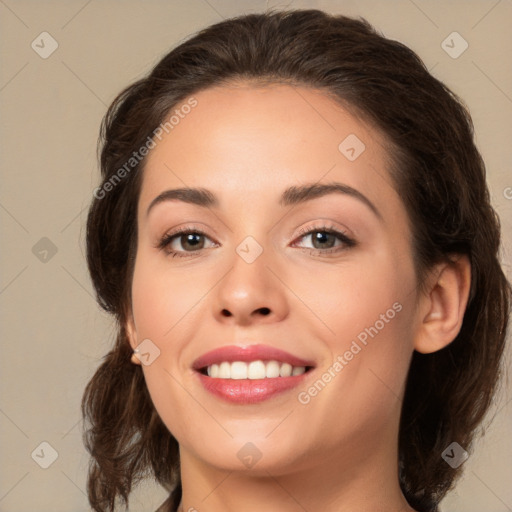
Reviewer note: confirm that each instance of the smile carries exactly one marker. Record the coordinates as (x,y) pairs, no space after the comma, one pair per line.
(250,374)
(254,370)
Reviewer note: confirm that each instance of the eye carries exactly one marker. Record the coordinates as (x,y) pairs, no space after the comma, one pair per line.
(184,242)
(324,239)
(191,240)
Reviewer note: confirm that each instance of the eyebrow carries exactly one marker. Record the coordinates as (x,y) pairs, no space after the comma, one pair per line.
(290,197)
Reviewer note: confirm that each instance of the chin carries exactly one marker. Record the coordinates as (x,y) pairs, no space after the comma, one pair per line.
(259,455)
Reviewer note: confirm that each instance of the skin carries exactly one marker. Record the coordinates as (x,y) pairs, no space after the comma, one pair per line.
(338,452)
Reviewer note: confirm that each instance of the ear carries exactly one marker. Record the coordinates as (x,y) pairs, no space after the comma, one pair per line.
(131,332)
(441,309)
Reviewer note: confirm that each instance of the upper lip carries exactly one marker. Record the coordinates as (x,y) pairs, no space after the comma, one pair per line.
(248,353)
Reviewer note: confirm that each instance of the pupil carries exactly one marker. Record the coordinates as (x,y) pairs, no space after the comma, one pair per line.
(190,237)
(320,237)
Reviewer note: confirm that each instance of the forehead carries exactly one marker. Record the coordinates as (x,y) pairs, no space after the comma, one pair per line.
(260,140)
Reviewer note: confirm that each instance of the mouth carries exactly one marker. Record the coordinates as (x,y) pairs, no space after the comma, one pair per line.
(250,374)
(239,370)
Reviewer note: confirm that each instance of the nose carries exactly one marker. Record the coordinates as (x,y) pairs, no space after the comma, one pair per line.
(251,293)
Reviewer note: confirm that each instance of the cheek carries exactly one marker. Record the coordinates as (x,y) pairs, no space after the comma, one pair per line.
(362,295)
(155,315)
(369,313)
(163,309)
(169,397)
(159,299)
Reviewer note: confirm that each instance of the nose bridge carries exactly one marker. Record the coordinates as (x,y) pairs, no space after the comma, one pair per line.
(250,290)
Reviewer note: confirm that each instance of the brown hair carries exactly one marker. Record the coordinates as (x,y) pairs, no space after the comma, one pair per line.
(436,169)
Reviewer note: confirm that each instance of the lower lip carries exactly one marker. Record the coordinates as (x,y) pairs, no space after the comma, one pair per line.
(249,391)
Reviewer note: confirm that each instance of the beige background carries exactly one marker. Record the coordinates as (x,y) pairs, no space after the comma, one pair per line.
(53,334)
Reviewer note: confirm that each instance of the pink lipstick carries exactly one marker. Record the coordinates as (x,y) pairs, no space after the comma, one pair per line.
(250,374)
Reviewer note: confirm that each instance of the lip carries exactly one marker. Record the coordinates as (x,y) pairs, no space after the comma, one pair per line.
(249,391)
(231,353)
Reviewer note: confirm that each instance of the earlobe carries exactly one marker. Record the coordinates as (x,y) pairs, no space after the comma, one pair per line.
(442,309)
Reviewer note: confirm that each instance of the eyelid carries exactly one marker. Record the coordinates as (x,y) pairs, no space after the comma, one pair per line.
(343,234)
(185,229)
(164,242)
(327,226)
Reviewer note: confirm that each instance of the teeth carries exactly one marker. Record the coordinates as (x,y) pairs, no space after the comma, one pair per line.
(272,369)
(254,370)
(285,370)
(224,371)
(298,370)
(238,370)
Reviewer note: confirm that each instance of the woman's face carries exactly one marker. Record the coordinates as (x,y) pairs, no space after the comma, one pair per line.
(317,282)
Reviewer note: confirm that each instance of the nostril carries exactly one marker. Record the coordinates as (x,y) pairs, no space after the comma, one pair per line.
(263,311)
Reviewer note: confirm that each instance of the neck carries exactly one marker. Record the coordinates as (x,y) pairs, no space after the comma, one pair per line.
(342,482)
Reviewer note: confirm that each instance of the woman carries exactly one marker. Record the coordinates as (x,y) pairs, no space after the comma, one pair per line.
(295,237)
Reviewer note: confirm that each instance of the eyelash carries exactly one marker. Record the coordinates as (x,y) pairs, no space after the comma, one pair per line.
(348,243)
(166,240)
